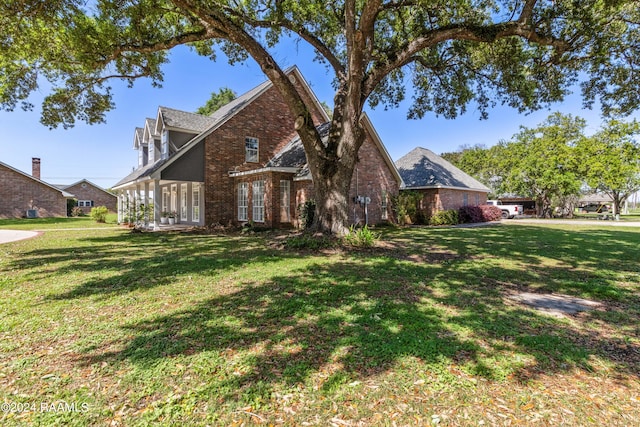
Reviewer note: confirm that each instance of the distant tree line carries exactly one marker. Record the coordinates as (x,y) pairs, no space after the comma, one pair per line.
(555,162)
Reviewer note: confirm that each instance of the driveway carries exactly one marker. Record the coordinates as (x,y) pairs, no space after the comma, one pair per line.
(7,236)
(573,222)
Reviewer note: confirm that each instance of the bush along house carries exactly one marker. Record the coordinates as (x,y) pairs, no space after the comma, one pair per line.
(243,163)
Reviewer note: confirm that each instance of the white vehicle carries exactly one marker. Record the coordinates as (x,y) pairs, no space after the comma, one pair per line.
(508,211)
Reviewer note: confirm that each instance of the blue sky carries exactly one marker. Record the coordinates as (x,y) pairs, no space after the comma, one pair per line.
(103,153)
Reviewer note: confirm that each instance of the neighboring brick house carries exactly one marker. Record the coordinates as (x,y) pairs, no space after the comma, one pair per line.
(244,163)
(24,195)
(90,195)
(442,185)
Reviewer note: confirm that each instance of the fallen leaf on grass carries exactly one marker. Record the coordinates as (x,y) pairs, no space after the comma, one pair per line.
(527,407)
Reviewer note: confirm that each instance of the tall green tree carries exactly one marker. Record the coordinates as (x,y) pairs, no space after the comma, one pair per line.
(610,161)
(446,53)
(480,162)
(541,162)
(217,100)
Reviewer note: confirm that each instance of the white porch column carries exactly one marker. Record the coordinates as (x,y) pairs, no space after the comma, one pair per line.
(136,204)
(120,207)
(157,203)
(145,219)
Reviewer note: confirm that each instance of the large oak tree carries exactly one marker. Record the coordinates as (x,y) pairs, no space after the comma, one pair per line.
(444,54)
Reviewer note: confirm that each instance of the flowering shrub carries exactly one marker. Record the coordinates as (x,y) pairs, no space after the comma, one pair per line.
(473,214)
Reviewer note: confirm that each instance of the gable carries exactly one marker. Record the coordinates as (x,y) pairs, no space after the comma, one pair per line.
(85,185)
(189,167)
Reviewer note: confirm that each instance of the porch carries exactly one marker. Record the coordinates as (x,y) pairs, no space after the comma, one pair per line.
(152,204)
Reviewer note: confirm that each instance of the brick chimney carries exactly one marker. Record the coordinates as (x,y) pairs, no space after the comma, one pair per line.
(35,167)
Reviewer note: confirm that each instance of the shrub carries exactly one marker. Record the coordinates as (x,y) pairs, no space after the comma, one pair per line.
(99,213)
(306,213)
(76,211)
(470,214)
(309,241)
(491,213)
(474,214)
(405,205)
(449,217)
(362,237)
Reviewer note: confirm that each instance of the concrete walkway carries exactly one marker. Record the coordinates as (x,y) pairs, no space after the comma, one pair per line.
(593,222)
(7,236)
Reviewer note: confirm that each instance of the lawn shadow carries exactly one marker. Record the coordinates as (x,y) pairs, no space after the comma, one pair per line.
(140,261)
(359,317)
(432,298)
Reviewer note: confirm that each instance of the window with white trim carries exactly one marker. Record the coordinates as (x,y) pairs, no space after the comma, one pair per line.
(195,203)
(251,149)
(384,215)
(174,198)
(165,144)
(243,201)
(152,152)
(465,199)
(165,199)
(258,201)
(285,201)
(85,203)
(477,199)
(183,202)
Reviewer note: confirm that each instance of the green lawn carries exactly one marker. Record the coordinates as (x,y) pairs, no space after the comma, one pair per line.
(163,329)
(56,223)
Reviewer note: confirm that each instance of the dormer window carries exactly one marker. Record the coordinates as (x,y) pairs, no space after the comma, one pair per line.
(165,144)
(151,155)
(143,155)
(251,150)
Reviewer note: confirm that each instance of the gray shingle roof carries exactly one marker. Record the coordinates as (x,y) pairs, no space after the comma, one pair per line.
(144,172)
(293,155)
(232,107)
(185,120)
(423,168)
(151,123)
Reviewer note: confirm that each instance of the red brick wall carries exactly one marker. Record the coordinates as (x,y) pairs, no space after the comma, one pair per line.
(99,197)
(266,118)
(19,193)
(371,178)
(442,199)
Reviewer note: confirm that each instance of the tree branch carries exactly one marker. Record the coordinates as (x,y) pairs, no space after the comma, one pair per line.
(476,33)
(303,32)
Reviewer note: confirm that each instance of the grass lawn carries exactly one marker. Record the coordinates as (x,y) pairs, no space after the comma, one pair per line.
(57,223)
(108,327)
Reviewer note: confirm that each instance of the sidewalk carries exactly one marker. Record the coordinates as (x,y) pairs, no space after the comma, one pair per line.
(593,222)
(7,236)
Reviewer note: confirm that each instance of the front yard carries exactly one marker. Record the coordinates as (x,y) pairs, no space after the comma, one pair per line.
(108,327)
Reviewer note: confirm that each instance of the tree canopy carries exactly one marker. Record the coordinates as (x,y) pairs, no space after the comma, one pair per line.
(555,162)
(444,54)
(217,100)
(609,161)
(540,162)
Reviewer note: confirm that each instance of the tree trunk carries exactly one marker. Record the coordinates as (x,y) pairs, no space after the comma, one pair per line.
(332,169)
(332,202)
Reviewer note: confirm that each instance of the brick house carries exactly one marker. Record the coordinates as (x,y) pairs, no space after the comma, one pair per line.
(442,185)
(90,195)
(243,163)
(24,195)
